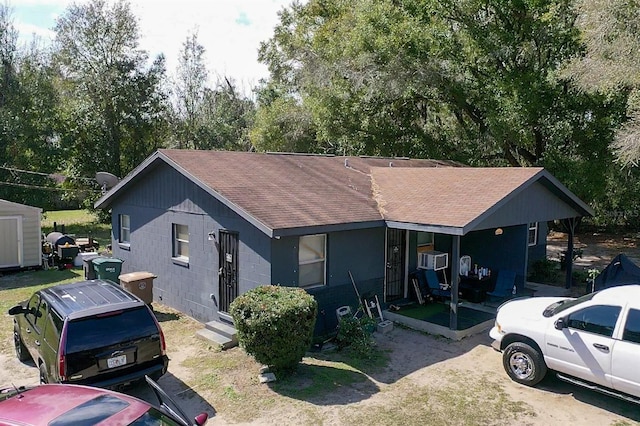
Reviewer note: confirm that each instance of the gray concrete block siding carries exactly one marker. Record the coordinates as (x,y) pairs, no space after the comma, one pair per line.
(165,197)
(162,196)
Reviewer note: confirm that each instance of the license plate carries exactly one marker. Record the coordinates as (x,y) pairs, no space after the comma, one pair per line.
(117,361)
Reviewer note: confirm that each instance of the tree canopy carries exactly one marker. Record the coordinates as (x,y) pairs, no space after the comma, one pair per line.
(611,33)
(552,83)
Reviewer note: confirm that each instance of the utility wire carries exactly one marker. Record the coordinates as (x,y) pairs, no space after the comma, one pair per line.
(13,169)
(47,188)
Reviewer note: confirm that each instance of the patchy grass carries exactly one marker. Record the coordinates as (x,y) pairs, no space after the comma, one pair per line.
(16,287)
(458,402)
(81,223)
(328,387)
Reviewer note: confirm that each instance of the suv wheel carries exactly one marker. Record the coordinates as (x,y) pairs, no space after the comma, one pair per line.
(524,364)
(21,350)
(43,374)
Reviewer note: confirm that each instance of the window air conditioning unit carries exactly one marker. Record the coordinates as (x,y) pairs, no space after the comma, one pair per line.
(435,260)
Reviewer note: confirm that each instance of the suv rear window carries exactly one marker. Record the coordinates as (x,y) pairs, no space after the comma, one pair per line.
(110,329)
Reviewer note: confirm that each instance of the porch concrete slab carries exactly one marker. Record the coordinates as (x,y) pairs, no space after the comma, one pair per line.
(436,329)
(539,290)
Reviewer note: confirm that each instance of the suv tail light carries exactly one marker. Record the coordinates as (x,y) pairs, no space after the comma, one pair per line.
(62,354)
(163,345)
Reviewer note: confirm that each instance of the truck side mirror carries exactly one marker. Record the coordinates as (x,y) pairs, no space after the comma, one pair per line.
(560,324)
(17,310)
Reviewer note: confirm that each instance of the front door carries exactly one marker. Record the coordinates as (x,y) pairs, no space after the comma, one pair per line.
(394,277)
(228,272)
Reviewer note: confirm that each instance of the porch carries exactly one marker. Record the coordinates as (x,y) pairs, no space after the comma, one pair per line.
(472,318)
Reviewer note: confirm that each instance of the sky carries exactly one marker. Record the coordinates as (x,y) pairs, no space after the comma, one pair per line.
(229,30)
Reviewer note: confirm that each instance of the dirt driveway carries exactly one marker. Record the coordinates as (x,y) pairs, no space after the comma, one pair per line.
(418,363)
(427,381)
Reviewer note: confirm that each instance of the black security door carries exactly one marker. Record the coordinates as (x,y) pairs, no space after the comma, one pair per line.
(228,271)
(394,279)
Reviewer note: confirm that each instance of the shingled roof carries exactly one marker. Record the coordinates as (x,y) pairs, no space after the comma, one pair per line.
(449,197)
(292,191)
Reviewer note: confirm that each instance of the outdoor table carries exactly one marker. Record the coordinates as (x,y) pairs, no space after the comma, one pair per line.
(473,288)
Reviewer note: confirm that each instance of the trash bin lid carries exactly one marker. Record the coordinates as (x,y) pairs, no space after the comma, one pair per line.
(136,276)
(88,255)
(101,260)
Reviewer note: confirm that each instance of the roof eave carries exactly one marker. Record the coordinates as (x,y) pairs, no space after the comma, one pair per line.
(106,199)
(438,229)
(578,204)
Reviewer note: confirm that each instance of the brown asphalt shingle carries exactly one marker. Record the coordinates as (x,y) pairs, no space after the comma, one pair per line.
(296,190)
(444,196)
(286,190)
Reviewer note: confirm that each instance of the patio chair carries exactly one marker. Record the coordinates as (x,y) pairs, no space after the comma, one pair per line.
(433,283)
(505,283)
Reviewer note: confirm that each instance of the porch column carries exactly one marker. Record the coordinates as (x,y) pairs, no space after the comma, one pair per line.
(455,279)
(570,225)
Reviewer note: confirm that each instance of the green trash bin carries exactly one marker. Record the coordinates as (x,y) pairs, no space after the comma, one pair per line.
(107,268)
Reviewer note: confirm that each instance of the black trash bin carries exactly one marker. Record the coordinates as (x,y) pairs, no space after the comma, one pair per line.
(87,264)
(107,268)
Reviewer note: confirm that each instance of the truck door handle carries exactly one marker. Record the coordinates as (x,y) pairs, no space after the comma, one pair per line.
(602,347)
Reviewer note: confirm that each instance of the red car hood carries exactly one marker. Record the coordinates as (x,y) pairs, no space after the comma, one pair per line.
(41,404)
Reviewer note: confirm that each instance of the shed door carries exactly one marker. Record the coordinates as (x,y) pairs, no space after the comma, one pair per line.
(228,261)
(394,278)
(11,247)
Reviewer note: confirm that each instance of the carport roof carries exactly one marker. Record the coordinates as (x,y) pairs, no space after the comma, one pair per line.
(285,194)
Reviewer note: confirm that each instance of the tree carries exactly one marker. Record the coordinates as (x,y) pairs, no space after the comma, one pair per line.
(228,115)
(284,126)
(611,33)
(29,119)
(8,80)
(206,118)
(190,91)
(115,107)
(476,81)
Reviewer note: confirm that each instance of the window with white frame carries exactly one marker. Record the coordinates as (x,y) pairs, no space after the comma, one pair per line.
(533,233)
(180,241)
(125,229)
(425,241)
(311,260)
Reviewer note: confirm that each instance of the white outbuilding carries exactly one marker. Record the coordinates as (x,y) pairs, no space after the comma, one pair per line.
(20,232)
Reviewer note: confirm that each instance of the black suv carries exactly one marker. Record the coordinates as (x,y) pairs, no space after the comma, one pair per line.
(89,332)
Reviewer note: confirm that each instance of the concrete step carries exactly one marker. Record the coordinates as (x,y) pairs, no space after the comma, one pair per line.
(222,328)
(223,341)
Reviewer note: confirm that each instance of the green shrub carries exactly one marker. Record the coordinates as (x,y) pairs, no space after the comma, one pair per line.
(275,324)
(580,276)
(544,271)
(355,334)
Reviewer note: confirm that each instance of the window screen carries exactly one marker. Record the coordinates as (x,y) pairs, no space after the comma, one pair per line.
(125,228)
(533,233)
(180,241)
(311,259)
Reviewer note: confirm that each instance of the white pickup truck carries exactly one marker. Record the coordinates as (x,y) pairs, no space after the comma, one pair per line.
(591,341)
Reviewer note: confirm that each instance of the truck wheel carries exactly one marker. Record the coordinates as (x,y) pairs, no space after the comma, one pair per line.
(524,364)
(21,350)
(43,374)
